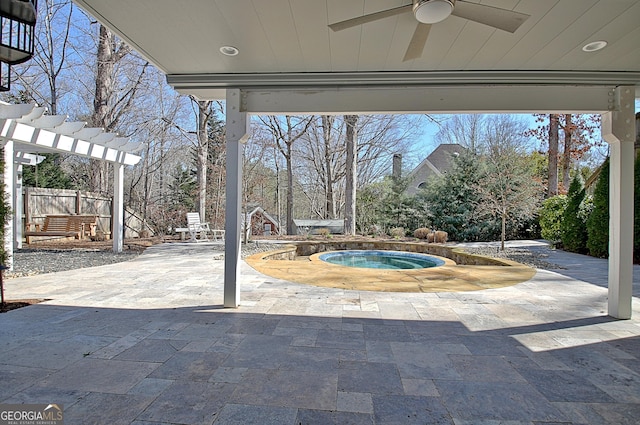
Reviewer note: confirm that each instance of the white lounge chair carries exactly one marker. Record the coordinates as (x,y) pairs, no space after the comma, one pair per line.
(196,227)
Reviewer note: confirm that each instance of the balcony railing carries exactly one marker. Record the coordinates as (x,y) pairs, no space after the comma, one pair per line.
(17,35)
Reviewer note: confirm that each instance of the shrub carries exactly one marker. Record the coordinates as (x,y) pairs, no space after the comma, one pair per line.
(550,218)
(324,232)
(574,227)
(421,233)
(441,236)
(598,221)
(376,230)
(397,232)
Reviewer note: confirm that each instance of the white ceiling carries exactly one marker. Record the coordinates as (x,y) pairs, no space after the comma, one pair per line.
(289,39)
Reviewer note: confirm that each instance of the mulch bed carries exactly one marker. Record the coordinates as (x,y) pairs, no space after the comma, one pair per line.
(15,304)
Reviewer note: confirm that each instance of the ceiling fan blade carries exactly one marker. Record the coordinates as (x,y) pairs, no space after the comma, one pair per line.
(417,43)
(503,19)
(349,23)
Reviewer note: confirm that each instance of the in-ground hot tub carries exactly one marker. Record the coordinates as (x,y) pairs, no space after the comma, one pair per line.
(461,271)
(372,259)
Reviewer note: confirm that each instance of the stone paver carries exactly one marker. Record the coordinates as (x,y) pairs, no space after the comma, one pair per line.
(148,342)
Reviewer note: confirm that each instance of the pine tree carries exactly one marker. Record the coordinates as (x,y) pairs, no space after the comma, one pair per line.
(598,222)
(47,174)
(452,202)
(574,228)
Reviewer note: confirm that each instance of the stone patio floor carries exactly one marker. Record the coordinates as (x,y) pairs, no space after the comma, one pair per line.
(147,342)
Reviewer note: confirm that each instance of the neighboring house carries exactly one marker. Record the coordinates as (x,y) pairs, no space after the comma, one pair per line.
(436,164)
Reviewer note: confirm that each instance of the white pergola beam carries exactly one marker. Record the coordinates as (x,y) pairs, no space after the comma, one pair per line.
(88,142)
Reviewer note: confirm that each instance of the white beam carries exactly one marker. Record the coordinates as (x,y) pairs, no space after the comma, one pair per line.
(211,86)
(618,129)
(237,129)
(411,100)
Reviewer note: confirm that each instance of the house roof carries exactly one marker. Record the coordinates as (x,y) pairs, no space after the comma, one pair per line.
(439,161)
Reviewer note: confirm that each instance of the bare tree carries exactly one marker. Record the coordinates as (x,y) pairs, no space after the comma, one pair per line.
(508,188)
(462,129)
(151,182)
(51,54)
(111,101)
(204,111)
(351,174)
(285,132)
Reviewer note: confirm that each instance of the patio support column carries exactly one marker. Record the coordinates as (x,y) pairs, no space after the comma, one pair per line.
(9,190)
(237,129)
(618,129)
(118,207)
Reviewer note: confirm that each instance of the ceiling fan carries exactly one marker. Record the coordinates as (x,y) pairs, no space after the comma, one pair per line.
(429,12)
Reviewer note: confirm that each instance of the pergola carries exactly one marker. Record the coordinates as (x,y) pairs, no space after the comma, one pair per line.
(25,129)
(280,57)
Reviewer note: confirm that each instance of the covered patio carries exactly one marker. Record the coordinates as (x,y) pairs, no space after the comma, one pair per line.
(141,343)
(502,56)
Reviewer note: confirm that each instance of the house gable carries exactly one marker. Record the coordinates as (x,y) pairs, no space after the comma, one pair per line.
(436,164)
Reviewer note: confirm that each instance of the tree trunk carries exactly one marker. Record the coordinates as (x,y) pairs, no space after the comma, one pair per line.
(566,156)
(204,108)
(351,174)
(101,101)
(277,191)
(330,211)
(290,230)
(553,156)
(504,230)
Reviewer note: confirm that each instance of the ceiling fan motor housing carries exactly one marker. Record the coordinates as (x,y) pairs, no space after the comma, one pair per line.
(432,11)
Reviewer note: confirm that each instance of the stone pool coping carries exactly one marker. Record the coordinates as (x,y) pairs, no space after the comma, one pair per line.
(462,271)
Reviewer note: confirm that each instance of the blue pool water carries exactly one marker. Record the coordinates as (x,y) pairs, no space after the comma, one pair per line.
(381,259)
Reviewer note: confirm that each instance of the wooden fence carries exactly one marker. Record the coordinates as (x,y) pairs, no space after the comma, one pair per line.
(40,202)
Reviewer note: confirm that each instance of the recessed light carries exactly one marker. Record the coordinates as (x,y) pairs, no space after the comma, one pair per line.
(594,46)
(229,50)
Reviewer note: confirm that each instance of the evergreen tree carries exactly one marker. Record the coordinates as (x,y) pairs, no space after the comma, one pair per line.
(47,174)
(384,205)
(452,202)
(550,216)
(574,228)
(598,222)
